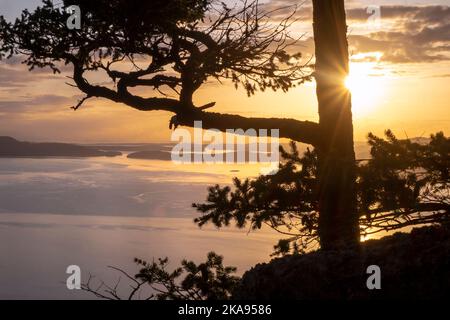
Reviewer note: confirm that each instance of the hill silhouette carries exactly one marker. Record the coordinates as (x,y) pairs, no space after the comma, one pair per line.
(10,147)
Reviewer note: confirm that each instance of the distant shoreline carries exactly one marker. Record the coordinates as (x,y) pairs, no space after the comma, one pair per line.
(12,148)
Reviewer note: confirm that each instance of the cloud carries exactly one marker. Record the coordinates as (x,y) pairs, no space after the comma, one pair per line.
(415,34)
(356,11)
(406,34)
(420,34)
(14,75)
(12,79)
(45,102)
(447,75)
(422,13)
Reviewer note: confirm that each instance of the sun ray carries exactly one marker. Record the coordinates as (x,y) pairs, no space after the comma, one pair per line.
(367,85)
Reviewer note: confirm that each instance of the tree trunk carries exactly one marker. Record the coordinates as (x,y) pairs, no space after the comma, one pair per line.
(338,219)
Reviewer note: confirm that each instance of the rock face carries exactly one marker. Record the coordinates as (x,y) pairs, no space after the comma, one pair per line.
(414,265)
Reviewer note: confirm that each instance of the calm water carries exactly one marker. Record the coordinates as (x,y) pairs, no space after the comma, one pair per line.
(97,212)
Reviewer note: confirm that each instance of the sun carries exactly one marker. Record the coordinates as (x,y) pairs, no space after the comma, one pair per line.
(367,85)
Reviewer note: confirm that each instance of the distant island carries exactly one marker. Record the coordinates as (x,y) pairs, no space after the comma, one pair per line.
(10,147)
(151,155)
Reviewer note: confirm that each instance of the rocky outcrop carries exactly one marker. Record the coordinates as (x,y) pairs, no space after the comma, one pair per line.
(414,265)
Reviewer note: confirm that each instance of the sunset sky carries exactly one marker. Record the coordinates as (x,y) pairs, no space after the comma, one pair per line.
(400,76)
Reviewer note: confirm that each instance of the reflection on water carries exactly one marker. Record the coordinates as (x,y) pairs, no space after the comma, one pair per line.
(205,170)
(109,186)
(105,211)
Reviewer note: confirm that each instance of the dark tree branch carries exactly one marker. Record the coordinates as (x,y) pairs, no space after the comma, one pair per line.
(301,131)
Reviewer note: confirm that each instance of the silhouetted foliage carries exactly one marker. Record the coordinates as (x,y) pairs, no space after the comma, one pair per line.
(405,183)
(209,280)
